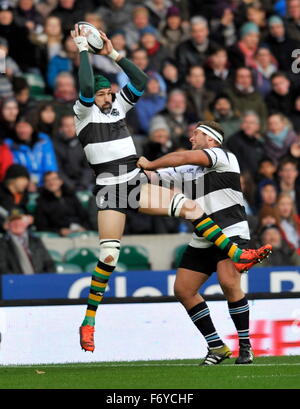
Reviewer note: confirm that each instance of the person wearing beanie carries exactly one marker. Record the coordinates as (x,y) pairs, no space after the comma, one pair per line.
(280,43)
(13,191)
(121,185)
(243,53)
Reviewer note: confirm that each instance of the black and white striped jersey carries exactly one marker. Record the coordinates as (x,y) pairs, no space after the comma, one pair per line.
(217,189)
(105,138)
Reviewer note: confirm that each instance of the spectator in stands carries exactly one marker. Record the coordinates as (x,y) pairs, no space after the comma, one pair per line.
(151,102)
(223,29)
(48,42)
(293,19)
(171,75)
(288,173)
(280,43)
(65,93)
(282,254)
(282,96)
(289,220)
(266,169)
(218,73)
(12,70)
(222,111)
(140,21)
(175,114)
(72,164)
(247,144)
(33,150)
(248,188)
(242,54)
(21,50)
(265,66)
(157,53)
(65,61)
(6,158)
(46,119)
(267,194)
(69,12)
(26,15)
(13,191)
(279,136)
(172,31)
(158,10)
(159,140)
(21,252)
(8,118)
(199,97)
(257,13)
(26,103)
(116,14)
(58,209)
(294,116)
(195,50)
(243,95)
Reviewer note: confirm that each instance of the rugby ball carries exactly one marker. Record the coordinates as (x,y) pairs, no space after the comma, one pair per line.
(94,39)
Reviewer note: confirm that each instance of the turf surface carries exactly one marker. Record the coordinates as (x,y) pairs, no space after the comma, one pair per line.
(264,373)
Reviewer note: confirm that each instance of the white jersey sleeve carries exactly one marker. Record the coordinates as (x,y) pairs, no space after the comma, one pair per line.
(221,160)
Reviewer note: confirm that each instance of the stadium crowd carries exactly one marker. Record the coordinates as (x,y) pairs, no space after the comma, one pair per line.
(233,61)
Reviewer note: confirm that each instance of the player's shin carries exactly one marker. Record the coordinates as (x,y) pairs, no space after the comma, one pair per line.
(109,254)
(204,226)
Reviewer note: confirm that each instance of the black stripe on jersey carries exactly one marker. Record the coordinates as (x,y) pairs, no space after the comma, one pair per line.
(129,95)
(211,182)
(123,95)
(116,167)
(229,216)
(209,158)
(96,132)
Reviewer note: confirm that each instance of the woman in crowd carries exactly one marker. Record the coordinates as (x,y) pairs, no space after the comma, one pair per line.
(279,136)
(289,220)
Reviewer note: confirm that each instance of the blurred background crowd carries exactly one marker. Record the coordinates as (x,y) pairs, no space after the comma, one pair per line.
(233,61)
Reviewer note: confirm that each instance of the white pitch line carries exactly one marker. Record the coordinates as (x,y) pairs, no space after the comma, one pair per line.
(99,365)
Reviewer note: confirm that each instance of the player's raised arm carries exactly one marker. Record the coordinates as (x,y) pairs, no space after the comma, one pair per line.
(86,75)
(175,159)
(138,79)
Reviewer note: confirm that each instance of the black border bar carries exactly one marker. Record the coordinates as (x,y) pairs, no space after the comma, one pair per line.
(135,300)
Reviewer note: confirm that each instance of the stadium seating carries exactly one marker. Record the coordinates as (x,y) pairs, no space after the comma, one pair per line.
(84,197)
(83,234)
(81,256)
(178,252)
(56,256)
(67,268)
(135,258)
(46,234)
(31,205)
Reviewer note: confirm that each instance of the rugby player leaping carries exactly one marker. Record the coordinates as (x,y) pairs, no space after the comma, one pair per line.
(120,184)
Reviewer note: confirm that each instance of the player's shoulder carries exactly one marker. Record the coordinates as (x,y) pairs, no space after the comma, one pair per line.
(222,158)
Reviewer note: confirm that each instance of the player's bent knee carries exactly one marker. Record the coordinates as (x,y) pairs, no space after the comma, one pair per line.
(176,204)
(109,251)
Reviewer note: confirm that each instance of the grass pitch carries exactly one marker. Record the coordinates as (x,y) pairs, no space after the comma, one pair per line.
(264,373)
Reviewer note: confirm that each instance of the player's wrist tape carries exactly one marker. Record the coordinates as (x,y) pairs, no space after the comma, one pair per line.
(114,55)
(81,43)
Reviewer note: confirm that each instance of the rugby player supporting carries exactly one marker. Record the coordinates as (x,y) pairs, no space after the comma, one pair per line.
(212,175)
(120,184)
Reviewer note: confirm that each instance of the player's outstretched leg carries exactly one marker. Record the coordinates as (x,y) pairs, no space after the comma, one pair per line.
(207,228)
